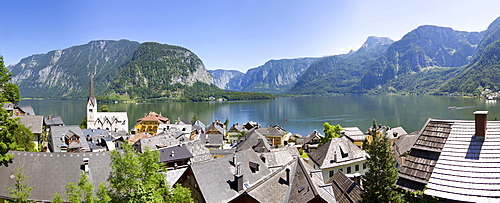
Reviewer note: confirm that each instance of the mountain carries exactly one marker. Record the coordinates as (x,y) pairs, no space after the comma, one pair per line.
(275,76)
(483,72)
(425,47)
(339,74)
(122,67)
(222,78)
(65,73)
(156,70)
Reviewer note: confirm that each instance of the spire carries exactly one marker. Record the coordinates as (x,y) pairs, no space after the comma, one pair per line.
(91,89)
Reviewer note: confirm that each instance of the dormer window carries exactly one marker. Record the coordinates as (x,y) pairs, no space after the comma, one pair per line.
(254,167)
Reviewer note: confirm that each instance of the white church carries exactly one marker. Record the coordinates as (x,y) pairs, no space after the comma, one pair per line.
(112,121)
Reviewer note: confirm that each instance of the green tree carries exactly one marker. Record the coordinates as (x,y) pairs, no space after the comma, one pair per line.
(57,198)
(226,123)
(10,91)
(104,108)
(331,131)
(379,180)
(195,118)
(13,136)
(21,192)
(83,124)
(138,177)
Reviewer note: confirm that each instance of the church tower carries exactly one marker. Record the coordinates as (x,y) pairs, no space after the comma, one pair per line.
(91,104)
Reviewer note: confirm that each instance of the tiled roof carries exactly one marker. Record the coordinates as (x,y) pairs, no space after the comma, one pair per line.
(419,164)
(253,140)
(136,137)
(198,150)
(57,132)
(311,136)
(28,110)
(271,131)
(174,153)
(34,123)
(308,186)
(215,178)
(53,120)
(354,133)
(153,116)
(49,173)
(405,142)
(345,190)
(337,152)
(155,142)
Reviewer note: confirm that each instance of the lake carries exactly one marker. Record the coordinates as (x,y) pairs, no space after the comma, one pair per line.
(301,115)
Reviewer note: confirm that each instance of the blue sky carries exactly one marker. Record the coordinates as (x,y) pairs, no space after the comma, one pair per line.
(229,34)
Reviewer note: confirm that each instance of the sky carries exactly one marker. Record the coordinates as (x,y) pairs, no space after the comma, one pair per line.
(229,34)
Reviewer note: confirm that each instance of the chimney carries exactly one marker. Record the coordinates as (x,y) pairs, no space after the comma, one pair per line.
(480,117)
(86,164)
(234,160)
(238,178)
(287,170)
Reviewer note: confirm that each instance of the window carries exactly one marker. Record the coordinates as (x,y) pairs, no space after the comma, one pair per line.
(331,173)
(364,165)
(349,169)
(356,168)
(340,169)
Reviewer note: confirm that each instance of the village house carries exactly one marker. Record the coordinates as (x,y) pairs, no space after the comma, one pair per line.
(339,154)
(35,124)
(179,125)
(354,134)
(253,140)
(67,139)
(310,142)
(277,135)
(150,123)
(235,132)
(455,160)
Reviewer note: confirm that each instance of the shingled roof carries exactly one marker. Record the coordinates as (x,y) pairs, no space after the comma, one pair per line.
(49,173)
(34,123)
(337,152)
(454,163)
(345,190)
(307,185)
(253,140)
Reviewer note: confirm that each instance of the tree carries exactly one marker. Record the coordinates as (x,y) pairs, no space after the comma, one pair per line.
(226,123)
(138,177)
(330,131)
(379,181)
(83,124)
(195,118)
(10,91)
(22,191)
(13,136)
(104,108)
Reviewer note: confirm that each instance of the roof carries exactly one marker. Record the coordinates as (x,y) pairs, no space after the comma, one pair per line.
(53,120)
(28,110)
(354,133)
(271,131)
(345,190)
(49,173)
(57,132)
(253,140)
(405,142)
(153,116)
(8,106)
(222,152)
(173,176)
(307,185)
(174,153)
(420,162)
(237,128)
(137,137)
(311,136)
(215,178)
(337,152)
(155,142)
(34,123)
(452,163)
(279,156)
(198,150)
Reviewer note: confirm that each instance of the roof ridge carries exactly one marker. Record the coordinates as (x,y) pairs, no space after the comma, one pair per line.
(266,178)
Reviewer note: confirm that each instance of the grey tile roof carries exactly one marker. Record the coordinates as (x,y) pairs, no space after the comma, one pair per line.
(345,190)
(174,153)
(174,175)
(312,137)
(28,110)
(53,120)
(8,106)
(222,152)
(253,140)
(215,178)
(354,133)
(57,132)
(405,142)
(337,152)
(198,150)
(270,131)
(49,173)
(155,141)
(34,123)
(280,156)
(307,185)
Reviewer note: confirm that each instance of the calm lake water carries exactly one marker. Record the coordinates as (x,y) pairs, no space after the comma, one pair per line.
(300,115)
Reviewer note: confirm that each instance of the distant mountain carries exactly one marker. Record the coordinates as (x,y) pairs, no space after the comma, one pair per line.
(339,74)
(65,73)
(123,67)
(484,71)
(427,46)
(222,78)
(275,76)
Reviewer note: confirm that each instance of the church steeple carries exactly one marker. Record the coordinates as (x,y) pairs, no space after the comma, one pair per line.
(91,104)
